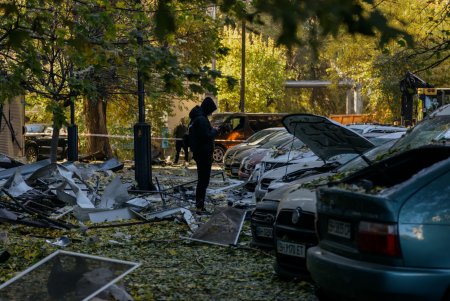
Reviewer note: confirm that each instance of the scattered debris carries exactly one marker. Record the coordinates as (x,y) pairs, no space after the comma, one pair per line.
(62,241)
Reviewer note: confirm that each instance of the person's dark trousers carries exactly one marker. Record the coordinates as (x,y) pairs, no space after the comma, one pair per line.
(179,144)
(204,163)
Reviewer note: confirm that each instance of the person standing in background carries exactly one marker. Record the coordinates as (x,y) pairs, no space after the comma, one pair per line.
(201,142)
(179,132)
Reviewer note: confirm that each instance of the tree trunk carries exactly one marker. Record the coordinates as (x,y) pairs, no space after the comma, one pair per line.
(95,121)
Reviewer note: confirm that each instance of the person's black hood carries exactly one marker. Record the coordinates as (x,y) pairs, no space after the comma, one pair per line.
(195,112)
(208,106)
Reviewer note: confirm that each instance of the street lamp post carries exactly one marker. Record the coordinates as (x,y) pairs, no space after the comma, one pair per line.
(142,135)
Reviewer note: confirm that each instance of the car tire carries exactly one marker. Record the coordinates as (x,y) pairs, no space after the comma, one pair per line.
(218,153)
(31,153)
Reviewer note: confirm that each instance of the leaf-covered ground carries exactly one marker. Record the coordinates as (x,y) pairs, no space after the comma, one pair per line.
(172,268)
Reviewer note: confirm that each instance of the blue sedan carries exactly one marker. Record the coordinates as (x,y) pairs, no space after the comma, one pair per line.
(384,232)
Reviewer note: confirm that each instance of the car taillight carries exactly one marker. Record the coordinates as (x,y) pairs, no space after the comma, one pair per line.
(378,238)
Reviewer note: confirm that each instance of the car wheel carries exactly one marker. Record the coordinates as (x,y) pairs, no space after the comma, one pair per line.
(218,153)
(31,153)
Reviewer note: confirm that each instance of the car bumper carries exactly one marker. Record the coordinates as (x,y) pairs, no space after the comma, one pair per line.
(353,279)
(289,266)
(259,193)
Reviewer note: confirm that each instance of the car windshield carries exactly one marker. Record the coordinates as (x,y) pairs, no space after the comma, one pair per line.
(429,131)
(371,155)
(278,140)
(293,144)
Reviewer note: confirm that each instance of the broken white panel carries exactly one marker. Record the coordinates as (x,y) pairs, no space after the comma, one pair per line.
(66,276)
(64,172)
(82,199)
(159,214)
(189,218)
(139,202)
(187,215)
(67,196)
(16,185)
(114,195)
(82,214)
(234,184)
(111,215)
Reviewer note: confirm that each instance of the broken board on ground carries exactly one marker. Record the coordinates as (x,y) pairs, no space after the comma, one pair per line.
(223,228)
(66,276)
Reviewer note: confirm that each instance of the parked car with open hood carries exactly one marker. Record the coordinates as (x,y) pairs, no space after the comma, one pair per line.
(328,139)
(300,186)
(332,144)
(386,227)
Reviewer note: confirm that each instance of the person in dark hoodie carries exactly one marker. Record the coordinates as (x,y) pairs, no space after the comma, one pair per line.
(201,142)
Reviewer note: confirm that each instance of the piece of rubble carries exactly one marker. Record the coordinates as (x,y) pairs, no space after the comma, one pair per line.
(223,228)
(111,215)
(24,169)
(16,185)
(158,215)
(62,241)
(140,203)
(114,195)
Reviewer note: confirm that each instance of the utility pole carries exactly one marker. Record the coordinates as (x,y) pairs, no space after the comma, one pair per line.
(242,94)
(142,134)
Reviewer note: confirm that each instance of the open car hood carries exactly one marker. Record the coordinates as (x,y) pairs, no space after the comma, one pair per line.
(325,137)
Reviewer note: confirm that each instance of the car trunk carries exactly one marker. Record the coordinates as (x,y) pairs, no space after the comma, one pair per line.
(369,196)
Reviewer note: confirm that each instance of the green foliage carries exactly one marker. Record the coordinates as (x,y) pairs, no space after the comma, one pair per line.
(265,73)
(379,70)
(353,15)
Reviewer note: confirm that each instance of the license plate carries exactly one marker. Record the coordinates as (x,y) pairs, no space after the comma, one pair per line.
(339,228)
(290,249)
(234,170)
(264,232)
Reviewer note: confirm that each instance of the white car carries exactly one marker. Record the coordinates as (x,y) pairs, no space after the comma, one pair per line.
(331,145)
